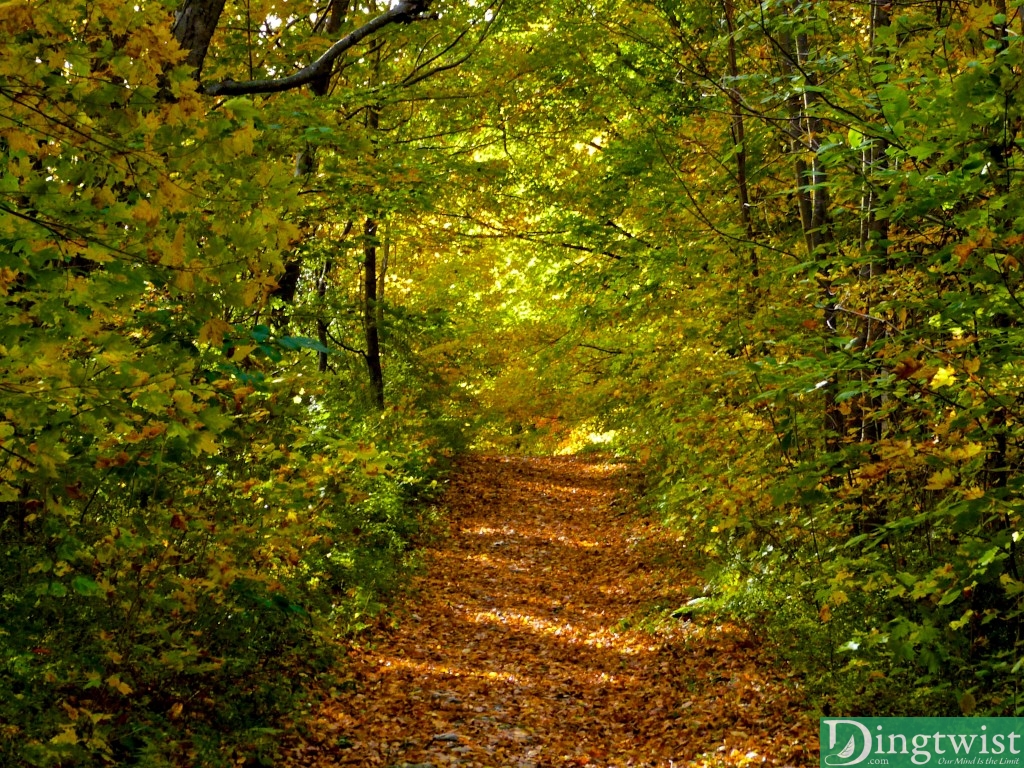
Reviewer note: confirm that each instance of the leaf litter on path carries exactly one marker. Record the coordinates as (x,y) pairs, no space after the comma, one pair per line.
(519,646)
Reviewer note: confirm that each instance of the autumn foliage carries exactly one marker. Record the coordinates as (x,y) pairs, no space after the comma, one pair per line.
(539,636)
(267,266)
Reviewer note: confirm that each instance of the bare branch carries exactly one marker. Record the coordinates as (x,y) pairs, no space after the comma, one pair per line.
(405,11)
(418,75)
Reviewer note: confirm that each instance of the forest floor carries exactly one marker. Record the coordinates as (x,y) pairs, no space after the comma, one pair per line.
(537,637)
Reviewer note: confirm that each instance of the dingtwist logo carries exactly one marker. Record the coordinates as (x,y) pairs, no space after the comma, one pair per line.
(848,754)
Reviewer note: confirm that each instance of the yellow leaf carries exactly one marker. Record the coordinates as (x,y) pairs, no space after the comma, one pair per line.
(213,331)
(972,366)
(185,280)
(145,213)
(241,141)
(115,682)
(1011,585)
(98,253)
(21,142)
(241,353)
(206,443)
(257,289)
(940,480)
(7,278)
(943,377)
(67,736)
(183,399)
(965,451)
(287,234)
(171,195)
(174,256)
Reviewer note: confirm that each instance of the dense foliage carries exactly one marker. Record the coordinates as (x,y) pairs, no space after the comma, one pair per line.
(772,250)
(791,238)
(199,495)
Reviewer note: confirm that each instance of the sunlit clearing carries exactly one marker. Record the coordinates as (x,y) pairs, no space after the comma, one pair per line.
(586,436)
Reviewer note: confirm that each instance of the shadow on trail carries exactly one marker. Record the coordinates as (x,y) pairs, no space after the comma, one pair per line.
(518,652)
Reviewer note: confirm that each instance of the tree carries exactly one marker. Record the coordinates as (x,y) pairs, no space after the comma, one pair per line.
(182,497)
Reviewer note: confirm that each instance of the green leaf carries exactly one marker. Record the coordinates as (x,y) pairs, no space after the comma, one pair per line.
(895,102)
(241,107)
(86,587)
(302,342)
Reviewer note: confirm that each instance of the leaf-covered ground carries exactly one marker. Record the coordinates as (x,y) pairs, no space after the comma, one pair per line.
(531,641)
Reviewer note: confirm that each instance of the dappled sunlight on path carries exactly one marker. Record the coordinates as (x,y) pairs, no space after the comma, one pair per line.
(519,647)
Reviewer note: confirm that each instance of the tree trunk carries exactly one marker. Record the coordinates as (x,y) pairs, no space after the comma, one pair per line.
(195,21)
(874,241)
(322,324)
(739,142)
(321,86)
(813,200)
(370,325)
(382,274)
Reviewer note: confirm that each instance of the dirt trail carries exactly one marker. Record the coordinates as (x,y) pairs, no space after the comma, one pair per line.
(519,647)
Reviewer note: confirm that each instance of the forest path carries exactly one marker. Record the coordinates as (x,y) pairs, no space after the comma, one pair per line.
(519,648)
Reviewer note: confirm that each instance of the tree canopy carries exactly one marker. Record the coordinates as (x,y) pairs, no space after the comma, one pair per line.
(265,265)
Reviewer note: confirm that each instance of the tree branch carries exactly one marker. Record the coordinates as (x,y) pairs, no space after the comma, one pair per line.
(417,75)
(601,349)
(342,345)
(404,11)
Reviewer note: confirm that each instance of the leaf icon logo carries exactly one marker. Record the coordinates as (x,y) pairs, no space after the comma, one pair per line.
(848,749)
